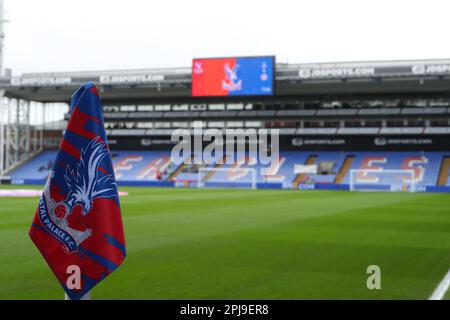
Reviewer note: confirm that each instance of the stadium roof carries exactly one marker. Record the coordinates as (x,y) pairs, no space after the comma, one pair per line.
(292,80)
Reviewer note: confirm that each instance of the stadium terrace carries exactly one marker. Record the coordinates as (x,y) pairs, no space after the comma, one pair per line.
(256,143)
(376,125)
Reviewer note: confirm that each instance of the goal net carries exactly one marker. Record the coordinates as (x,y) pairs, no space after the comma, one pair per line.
(382,180)
(227,177)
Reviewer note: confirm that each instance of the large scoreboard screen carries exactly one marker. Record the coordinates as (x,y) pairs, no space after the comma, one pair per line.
(245,76)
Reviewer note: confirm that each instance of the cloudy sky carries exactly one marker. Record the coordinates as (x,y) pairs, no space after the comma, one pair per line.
(66,35)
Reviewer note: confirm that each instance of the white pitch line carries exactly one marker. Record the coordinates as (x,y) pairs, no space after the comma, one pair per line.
(442,288)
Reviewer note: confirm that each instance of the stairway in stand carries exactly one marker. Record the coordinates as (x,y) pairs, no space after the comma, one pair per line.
(300,178)
(443,172)
(344,169)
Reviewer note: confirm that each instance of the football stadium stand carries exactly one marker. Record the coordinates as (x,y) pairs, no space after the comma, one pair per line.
(334,117)
(156,168)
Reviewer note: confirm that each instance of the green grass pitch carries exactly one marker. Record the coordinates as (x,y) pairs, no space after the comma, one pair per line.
(252,244)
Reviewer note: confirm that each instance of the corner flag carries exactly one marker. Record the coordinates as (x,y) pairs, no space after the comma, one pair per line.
(78,225)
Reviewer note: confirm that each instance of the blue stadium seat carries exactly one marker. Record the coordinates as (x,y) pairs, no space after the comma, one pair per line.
(147,166)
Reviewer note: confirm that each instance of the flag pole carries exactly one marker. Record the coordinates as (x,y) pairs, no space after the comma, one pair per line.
(87,296)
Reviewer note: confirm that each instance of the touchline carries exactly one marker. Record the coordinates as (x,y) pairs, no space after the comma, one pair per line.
(241,146)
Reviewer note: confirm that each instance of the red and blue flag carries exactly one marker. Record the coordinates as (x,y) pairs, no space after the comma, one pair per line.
(78,220)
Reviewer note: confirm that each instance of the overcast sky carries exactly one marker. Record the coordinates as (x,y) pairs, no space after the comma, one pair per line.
(66,35)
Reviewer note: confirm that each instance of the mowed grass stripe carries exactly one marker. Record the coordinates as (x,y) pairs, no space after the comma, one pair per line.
(213,217)
(188,243)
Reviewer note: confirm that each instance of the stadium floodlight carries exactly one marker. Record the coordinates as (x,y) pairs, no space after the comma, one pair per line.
(382,180)
(227,177)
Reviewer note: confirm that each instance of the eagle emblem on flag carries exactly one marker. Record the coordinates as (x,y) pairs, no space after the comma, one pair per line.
(85,186)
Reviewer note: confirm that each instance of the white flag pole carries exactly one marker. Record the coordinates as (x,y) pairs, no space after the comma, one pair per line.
(87,296)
